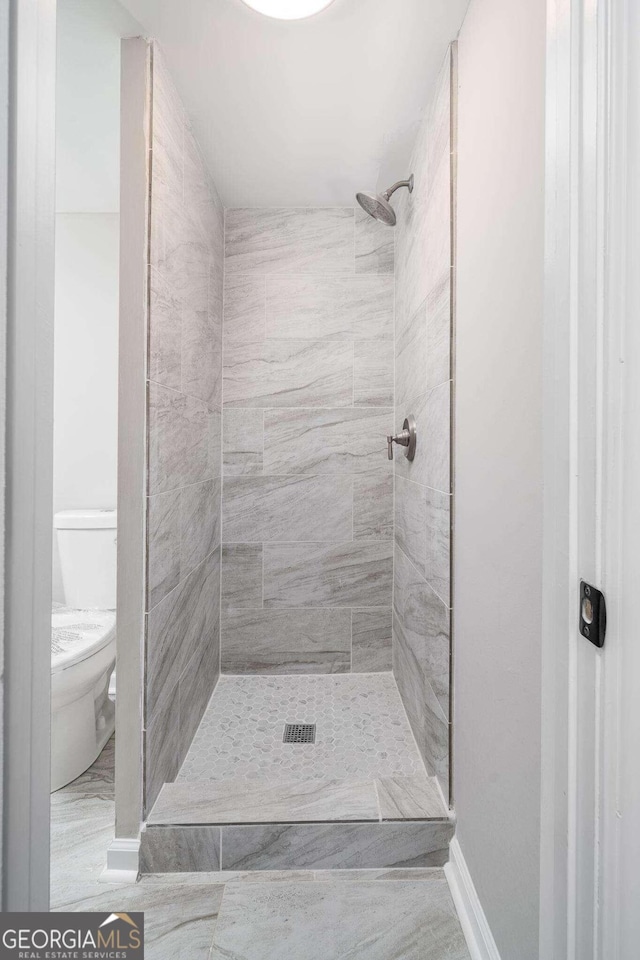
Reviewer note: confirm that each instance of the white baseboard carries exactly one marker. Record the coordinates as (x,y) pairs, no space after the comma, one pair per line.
(122,861)
(474,924)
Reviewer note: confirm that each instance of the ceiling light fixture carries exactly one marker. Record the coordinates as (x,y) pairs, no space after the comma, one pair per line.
(288,9)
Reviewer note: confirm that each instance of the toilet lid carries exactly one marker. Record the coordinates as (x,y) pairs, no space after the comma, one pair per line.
(77,634)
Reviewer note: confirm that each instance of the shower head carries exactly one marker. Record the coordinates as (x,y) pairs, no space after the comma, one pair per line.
(377,204)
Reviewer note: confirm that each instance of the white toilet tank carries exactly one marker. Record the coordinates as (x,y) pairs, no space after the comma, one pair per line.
(87,545)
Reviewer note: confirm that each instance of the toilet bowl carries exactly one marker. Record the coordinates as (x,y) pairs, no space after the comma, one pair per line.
(83,642)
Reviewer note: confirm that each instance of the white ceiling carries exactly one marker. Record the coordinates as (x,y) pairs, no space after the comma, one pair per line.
(303,112)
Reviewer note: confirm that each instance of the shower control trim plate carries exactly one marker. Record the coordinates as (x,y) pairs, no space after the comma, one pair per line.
(406,438)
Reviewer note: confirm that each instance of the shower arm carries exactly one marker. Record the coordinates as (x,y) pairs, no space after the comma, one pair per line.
(401,183)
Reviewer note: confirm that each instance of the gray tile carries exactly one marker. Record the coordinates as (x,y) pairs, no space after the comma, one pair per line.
(431,465)
(411,521)
(411,357)
(179,849)
(200,442)
(242,442)
(373,376)
(165,322)
(162,745)
(335,846)
(287,508)
(373,506)
(422,874)
(326,441)
(424,620)
(410,798)
(439,332)
(284,240)
(265,801)
(244,308)
(288,373)
(274,642)
(181,443)
(375,245)
(331,920)
(187,618)
(346,575)
(241,575)
(196,685)
(371,641)
(163,545)
(330,308)
(200,523)
(202,356)
(438,569)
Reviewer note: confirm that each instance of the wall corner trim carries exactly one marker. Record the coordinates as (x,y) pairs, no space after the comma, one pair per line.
(474,923)
(122,861)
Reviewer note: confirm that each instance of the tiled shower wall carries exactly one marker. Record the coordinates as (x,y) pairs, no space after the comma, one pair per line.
(424,283)
(307,515)
(184,437)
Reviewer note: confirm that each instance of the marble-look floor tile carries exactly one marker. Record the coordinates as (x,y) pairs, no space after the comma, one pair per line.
(265,801)
(422,874)
(330,308)
(244,308)
(362,730)
(241,575)
(320,575)
(179,849)
(275,642)
(373,376)
(373,506)
(288,373)
(326,441)
(310,240)
(335,921)
(179,920)
(288,508)
(336,846)
(242,441)
(410,798)
(371,634)
(375,245)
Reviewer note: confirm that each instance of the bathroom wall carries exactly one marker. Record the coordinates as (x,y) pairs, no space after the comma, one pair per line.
(499,470)
(184,414)
(422,586)
(307,557)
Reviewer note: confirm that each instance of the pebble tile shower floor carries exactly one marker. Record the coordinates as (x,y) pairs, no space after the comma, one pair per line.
(362,730)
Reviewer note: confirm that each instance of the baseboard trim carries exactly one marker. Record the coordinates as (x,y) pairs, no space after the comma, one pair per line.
(123,857)
(474,923)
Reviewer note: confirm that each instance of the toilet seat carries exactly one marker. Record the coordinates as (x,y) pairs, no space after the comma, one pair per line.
(77,635)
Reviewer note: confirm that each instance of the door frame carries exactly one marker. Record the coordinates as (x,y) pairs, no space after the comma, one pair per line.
(592,363)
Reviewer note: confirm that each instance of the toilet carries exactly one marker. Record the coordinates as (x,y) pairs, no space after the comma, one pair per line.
(83,642)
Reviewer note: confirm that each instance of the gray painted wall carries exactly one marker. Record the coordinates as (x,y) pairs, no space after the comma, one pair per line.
(422,587)
(308,400)
(184,438)
(498,486)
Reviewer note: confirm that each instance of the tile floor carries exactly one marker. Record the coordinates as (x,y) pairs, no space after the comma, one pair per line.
(292,915)
(362,730)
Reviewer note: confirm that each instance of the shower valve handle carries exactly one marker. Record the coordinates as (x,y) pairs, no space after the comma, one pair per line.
(406,438)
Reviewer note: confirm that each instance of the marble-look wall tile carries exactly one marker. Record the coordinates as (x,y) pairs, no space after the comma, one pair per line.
(183,440)
(162,756)
(411,357)
(282,240)
(330,308)
(375,245)
(411,522)
(288,373)
(373,506)
(274,642)
(438,569)
(438,308)
(198,680)
(165,329)
(343,575)
(265,509)
(241,575)
(373,383)
(244,308)
(242,441)
(345,441)
(199,523)
(425,623)
(179,849)
(163,545)
(371,634)
(335,846)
